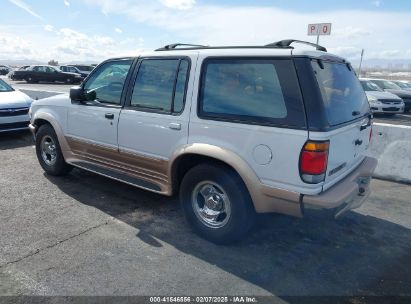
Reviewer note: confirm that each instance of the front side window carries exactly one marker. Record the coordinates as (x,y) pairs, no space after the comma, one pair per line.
(106,84)
(39,69)
(257,91)
(343,96)
(160,85)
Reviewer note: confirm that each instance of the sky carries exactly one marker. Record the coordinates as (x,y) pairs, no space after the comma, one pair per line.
(93,30)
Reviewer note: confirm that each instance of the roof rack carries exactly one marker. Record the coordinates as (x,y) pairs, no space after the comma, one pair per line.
(283,44)
(287,44)
(174,46)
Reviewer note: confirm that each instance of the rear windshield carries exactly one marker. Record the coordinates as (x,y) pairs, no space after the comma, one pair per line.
(343,96)
(251,91)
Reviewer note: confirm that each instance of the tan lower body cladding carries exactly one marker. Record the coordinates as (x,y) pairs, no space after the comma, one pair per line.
(141,167)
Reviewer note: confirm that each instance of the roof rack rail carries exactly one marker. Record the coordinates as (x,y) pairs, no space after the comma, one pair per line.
(176,45)
(287,44)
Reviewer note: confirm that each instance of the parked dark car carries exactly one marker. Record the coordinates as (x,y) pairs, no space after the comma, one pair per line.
(391,87)
(73,69)
(46,73)
(4,70)
(11,74)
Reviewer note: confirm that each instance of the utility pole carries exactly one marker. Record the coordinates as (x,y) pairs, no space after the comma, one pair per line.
(359,69)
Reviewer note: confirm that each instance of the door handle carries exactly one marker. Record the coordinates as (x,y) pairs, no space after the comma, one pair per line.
(109,115)
(175,126)
(358,142)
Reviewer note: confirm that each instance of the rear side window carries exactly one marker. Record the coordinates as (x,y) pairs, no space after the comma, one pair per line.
(160,85)
(343,96)
(255,91)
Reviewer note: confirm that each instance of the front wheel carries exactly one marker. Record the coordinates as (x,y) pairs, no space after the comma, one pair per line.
(49,152)
(216,203)
(69,81)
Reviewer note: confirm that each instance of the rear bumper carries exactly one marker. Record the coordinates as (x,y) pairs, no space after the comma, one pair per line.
(348,194)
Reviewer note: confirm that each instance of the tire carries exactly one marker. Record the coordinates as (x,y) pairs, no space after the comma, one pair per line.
(52,159)
(29,79)
(236,212)
(69,81)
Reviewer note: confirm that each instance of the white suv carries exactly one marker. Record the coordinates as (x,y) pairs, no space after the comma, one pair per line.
(233,130)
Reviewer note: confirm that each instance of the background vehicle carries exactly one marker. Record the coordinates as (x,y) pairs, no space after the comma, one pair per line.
(11,74)
(73,69)
(4,70)
(391,87)
(255,144)
(403,84)
(84,69)
(14,108)
(380,100)
(46,73)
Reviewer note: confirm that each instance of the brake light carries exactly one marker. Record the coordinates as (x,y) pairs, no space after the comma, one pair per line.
(313,161)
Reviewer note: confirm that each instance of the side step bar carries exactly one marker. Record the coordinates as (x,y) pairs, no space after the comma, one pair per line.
(117,176)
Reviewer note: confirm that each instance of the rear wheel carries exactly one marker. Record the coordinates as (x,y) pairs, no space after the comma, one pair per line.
(216,203)
(30,79)
(49,152)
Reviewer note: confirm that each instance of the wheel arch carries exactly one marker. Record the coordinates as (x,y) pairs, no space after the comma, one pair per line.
(42,118)
(194,154)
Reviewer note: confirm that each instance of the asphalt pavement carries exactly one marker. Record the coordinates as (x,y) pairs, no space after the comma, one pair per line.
(84,234)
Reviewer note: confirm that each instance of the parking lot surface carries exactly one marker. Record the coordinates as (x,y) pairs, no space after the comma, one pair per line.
(83,234)
(43,86)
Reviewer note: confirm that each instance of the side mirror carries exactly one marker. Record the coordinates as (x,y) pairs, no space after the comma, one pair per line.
(77,94)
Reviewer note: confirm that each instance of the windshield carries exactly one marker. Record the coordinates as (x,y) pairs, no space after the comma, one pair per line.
(4,87)
(342,93)
(402,85)
(385,84)
(370,86)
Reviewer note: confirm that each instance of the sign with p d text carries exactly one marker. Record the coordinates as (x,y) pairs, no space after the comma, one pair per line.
(316,29)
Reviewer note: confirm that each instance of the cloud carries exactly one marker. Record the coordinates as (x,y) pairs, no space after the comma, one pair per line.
(24,6)
(118,30)
(48,28)
(352,32)
(66,3)
(377,3)
(178,4)
(15,47)
(258,25)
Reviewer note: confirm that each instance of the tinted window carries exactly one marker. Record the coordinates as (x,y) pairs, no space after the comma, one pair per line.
(155,83)
(108,81)
(343,96)
(257,91)
(180,86)
(4,87)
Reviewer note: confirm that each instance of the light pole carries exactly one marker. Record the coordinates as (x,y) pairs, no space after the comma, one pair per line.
(359,69)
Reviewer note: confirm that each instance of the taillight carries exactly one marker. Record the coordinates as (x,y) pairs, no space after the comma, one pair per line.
(313,161)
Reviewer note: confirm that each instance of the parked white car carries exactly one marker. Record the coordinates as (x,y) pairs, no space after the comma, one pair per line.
(232,130)
(14,109)
(381,101)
